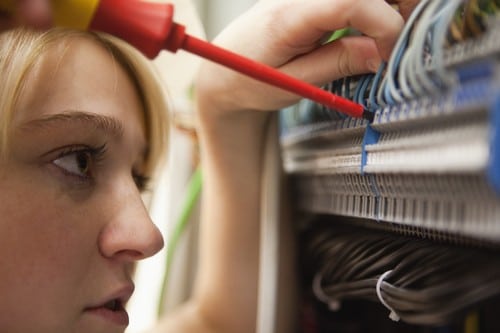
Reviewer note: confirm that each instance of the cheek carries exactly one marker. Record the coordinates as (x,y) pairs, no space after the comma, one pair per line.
(36,224)
(46,249)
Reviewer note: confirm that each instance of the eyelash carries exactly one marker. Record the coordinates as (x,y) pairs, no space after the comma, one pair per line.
(94,155)
(141,181)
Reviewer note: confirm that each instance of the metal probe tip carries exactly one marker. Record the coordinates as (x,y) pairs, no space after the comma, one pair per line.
(368,115)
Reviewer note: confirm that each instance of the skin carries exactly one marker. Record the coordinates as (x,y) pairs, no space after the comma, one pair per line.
(285,34)
(72,223)
(34,13)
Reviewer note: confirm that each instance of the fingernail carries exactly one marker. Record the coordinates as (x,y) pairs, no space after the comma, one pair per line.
(373,64)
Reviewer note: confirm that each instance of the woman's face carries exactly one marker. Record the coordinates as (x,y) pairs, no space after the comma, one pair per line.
(72,221)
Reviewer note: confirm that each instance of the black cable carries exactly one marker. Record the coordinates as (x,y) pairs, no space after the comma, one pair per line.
(429,283)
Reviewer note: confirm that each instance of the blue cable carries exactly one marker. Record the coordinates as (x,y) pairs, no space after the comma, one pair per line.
(372,104)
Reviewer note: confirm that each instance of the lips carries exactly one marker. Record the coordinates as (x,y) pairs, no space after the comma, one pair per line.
(112,309)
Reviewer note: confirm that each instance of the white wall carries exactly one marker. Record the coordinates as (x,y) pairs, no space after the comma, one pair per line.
(216,14)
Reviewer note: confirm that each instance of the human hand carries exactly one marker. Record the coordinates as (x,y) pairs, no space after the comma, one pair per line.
(33,13)
(287,34)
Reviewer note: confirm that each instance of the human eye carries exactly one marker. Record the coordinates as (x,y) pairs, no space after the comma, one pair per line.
(79,162)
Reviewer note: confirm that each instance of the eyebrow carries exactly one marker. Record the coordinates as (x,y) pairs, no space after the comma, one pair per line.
(105,123)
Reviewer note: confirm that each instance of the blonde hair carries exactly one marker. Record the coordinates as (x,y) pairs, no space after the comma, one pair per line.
(21,48)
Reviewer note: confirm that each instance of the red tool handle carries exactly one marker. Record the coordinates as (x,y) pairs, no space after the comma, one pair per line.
(144,24)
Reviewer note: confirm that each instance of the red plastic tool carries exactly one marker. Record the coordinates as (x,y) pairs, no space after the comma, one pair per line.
(149,26)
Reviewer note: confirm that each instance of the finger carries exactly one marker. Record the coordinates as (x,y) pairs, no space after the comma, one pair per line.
(307,21)
(346,57)
(35,13)
(6,21)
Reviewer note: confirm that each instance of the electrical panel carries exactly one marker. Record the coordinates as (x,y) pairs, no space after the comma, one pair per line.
(404,210)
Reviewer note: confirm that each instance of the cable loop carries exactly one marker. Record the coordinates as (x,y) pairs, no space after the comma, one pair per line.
(393,315)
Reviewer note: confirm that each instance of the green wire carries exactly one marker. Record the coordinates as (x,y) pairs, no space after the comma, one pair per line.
(339,34)
(192,195)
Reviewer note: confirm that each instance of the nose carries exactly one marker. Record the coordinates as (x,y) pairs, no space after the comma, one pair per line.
(129,234)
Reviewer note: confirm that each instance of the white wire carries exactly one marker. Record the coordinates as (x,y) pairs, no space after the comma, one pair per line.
(416,71)
(390,82)
(447,77)
(402,77)
(380,99)
(447,6)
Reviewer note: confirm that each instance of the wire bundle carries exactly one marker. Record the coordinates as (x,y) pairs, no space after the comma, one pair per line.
(421,282)
(416,67)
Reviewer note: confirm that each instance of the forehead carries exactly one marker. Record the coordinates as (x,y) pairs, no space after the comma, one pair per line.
(79,74)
